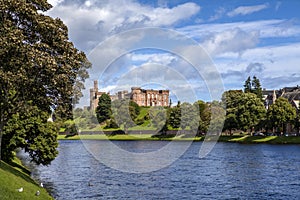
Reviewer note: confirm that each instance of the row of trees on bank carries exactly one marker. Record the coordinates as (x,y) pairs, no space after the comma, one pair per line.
(245,111)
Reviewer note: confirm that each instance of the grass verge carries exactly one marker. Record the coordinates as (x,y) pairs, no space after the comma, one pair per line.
(14,176)
(238,139)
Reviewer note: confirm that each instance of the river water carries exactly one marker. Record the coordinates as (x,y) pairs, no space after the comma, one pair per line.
(230,171)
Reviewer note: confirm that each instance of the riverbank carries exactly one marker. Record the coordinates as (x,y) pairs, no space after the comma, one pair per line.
(236,138)
(15,176)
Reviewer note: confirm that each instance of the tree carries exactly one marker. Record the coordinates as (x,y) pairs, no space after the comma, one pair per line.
(134,110)
(122,113)
(250,111)
(257,87)
(158,116)
(253,87)
(30,131)
(103,110)
(231,101)
(189,116)
(175,116)
(243,110)
(205,115)
(280,113)
(247,85)
(39,66)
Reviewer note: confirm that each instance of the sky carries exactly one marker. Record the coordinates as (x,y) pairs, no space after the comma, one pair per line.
(196,49)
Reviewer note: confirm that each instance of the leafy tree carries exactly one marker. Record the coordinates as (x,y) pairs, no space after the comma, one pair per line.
(189,116)
(231,101)
(205,115)
(103,110)
(247,85)
(30,131)
(122,112)
(175,116)
(134,110)
(280,113)
(38,65)
(243,110)
(257,87)
(158,116)
(253,86)
(250,111)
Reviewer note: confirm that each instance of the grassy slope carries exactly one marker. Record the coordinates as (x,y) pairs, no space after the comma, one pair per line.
(15,176)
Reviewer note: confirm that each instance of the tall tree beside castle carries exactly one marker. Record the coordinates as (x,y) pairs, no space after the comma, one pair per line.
(253,86)
(256,87)
(103,110)
(247,85)
(39,69)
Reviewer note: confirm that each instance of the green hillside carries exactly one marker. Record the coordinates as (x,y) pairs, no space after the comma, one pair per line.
(15,176)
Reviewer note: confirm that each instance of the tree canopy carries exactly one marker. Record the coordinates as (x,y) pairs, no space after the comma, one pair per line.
(280,113)
(103,109)
(39,67)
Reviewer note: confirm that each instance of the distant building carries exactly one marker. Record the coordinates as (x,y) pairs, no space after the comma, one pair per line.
(150,97)
(290,93)
(141,96)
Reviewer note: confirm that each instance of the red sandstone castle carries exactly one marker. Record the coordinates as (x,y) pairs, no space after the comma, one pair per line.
(141,96)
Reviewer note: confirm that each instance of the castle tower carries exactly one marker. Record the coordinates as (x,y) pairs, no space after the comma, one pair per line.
(96,86)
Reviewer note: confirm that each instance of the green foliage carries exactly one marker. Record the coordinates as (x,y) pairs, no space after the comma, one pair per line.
(205,115)
(175,116)
(243,110)
(40,68)
(30,131)
(189,116)
(253,86)
(280,113)
(158,118)
(123,113)
(247,85)
(103,109)
(257,87)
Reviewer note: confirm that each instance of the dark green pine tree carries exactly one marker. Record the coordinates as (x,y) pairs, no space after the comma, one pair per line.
(257,87)
(103,110)
(247,85)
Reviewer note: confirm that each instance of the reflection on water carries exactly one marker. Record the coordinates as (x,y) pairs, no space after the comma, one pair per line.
(230,171)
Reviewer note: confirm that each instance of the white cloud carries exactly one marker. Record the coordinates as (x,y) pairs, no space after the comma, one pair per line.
(271,64)
(266,28)
(235,40)
(158,58)
(90,23)
(246,10)
(55,2)
(219,13)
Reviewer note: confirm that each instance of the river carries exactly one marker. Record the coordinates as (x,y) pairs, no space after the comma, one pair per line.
(229,171)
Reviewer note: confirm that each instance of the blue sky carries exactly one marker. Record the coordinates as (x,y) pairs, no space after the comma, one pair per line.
(242,38)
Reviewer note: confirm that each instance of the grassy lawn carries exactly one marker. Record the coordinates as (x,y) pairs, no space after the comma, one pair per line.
(15,176)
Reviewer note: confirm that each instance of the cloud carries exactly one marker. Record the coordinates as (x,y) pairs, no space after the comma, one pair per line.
(218,14)
(255,68)
(275,66)
(235,40)
(246,10)
(55,2)
(90,22)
